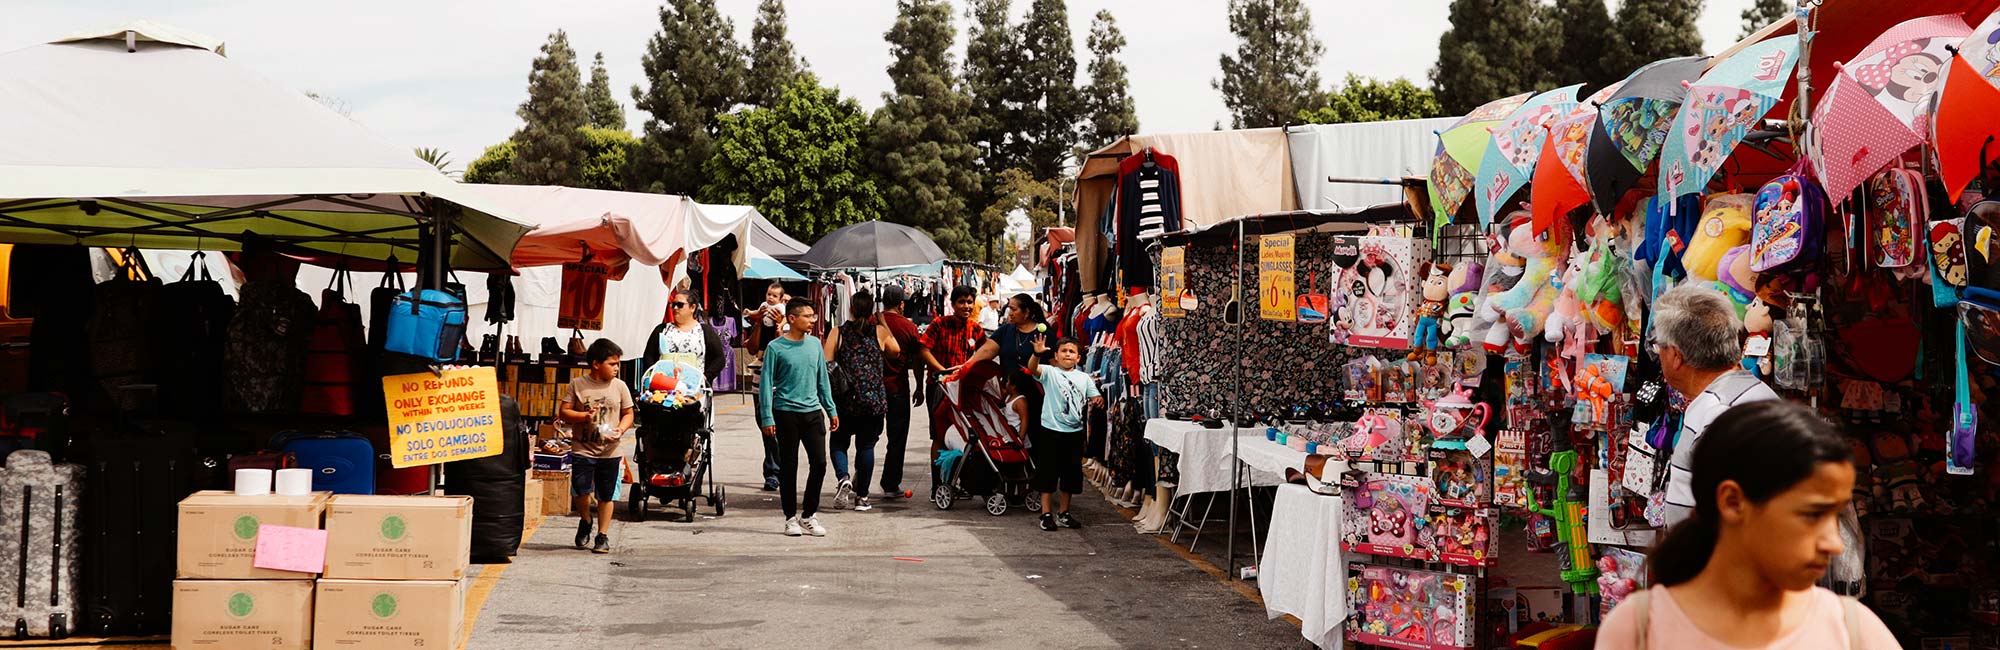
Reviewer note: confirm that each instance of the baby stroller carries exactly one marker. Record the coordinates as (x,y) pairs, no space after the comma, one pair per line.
(984,456)
(673,451)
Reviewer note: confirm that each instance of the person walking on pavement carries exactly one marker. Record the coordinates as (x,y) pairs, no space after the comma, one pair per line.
(1769,483)
(599,412)
(857,349)
(795,406)
(1695,338)
(946,346)
(896,370)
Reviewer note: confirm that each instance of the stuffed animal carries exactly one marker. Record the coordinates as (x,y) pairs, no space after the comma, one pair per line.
(1757,347)
(1430,313)
(1897,476)
(1567,322)
(1504,271)
(1725,224)
(1611,287)
(1520,314)
(1464,301)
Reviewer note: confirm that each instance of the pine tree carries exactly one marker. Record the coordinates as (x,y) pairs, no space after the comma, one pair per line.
(1274,73)
(605,113)
(1494,49)
(549,143)
(1763,13)
(1110,112)
(1650,30)
(1053,109)
(993,60)
(694,72)
(773,64)
(1577,29)
(923,133)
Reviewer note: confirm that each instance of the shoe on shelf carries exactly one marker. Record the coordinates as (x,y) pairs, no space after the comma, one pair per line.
(792,528)
(1064,520)
(603,544)
(812,527)
(863,505)
(843,494)
(583,533)
(1048,522)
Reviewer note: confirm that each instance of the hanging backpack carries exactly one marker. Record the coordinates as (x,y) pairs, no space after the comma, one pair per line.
(1982,246)
(379,300)
(190,335)
(1788,225)
(265,351)
(333,370)
(1896,204)
(121,330)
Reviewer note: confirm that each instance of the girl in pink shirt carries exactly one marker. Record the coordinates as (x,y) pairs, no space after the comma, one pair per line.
(1770,480)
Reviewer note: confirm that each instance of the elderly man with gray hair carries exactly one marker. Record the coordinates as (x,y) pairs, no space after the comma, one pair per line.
(1695,337)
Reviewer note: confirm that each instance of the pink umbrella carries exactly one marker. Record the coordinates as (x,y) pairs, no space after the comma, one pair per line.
(1878,106)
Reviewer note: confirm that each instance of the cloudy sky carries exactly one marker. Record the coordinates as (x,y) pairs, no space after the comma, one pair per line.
(449,73)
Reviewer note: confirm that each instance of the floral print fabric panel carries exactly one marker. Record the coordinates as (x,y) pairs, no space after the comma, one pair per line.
(1285,365)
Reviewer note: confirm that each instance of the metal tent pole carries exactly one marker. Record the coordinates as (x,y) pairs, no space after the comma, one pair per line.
(1236,418)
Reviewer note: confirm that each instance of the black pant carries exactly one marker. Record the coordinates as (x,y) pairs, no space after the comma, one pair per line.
(793,429)
(1058,457)
(898,433)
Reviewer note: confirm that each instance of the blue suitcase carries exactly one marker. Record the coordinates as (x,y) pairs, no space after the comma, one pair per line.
(343,462)
(427,324)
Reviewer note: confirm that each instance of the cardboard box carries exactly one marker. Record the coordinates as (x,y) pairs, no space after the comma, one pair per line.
(552,462)
(217,538)
(373,537)
(389,614)
(243,614)
(555,492)
(531,503)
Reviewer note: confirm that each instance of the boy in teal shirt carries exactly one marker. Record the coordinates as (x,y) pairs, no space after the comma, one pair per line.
(792,398)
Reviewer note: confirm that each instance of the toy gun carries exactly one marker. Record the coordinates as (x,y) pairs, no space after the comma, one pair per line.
(1568,510)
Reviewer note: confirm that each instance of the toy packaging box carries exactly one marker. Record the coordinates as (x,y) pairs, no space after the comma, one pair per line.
(1410,608)
(1510,469)
(1463,536)
(1376,277)
(1388,516)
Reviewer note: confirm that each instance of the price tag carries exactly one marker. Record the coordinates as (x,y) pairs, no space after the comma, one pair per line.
(1478,445)
(1757,346)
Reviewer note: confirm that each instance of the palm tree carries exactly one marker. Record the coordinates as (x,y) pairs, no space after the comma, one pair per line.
(438,158)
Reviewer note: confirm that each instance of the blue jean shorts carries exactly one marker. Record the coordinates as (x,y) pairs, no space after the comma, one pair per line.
(599,475)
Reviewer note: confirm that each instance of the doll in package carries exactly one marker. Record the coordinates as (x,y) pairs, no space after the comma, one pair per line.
(1376,276)
(1462,480)
(1463,536)
(1409,608)
(1510,469)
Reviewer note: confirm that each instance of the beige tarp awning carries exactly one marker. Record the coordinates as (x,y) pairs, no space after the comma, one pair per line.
(609,226)
(147,136)
(1223,174)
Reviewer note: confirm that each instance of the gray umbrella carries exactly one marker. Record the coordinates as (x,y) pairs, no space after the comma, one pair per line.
(873,245)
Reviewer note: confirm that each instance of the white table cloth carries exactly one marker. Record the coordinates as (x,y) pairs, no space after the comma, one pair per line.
(1268,457)
(1302,572)
(1205,463)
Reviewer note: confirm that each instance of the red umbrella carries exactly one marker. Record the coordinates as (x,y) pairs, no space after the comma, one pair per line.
(1561,184)
(1964,127)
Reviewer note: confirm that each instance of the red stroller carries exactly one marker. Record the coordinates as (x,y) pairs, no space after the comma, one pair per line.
(984,456)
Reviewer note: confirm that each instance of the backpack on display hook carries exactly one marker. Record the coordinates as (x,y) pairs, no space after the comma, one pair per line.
(1788,223)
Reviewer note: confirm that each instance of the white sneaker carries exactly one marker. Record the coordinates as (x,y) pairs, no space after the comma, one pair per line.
(863,505)
(792,528)
(843,494)
(812,527)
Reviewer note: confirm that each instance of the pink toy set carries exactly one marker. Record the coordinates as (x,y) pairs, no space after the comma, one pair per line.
(1388,515)
(1410,608)
(1377,277)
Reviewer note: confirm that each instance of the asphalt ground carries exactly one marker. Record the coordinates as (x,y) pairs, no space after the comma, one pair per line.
(905,575)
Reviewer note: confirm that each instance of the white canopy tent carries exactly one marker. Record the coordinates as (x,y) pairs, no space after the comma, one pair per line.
(147,136)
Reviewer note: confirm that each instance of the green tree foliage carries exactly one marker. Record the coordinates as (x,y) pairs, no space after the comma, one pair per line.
(1109,110)
(801,161)
(1274,72)
(605,113)
(922,144)
(1362,99)
(1577,53)
(1494,49)
(773,63)
(1764,12)
(1052,109)
(1020,191)
(607,153)
(1650,30)
(694,72)
(493,166)
(549,144)
(993,60)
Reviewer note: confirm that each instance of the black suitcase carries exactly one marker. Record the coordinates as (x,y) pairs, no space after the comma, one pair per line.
(38,546)
(135,477)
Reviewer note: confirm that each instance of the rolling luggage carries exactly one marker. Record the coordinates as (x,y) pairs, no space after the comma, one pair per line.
(134,475)
(343,462)
(38,546)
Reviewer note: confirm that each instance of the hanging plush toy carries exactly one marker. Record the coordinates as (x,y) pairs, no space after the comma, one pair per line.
(1459,309)
(1430,313)
(1725,224)
(1897,477)
(1757,346)
(1567,322)
(1520,313)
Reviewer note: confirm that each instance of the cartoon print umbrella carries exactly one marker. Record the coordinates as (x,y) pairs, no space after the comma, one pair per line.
(1632,126)
(1878,105)
(1459,151)
(1560,179)
(1965,132)
(1720,109)
(1515,146)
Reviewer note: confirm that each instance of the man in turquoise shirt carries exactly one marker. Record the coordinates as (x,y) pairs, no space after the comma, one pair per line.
(795,405)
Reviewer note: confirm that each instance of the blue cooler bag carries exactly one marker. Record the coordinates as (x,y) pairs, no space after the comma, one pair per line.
(342,462)
(426,324)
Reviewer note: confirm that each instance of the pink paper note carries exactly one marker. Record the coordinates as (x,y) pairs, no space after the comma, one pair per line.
(288,548)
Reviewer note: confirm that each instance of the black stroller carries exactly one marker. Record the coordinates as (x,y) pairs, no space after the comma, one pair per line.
(673,452)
